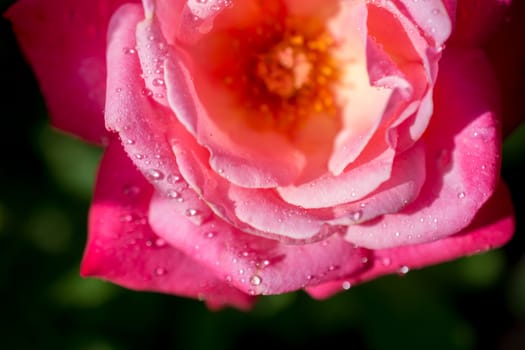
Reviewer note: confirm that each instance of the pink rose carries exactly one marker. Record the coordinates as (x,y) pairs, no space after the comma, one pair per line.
(260,147)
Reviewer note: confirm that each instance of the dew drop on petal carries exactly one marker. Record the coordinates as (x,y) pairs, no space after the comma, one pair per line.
(146,92)
(158,82)
(386,261)
(129,50)
(191,212)
(172,179)
(357,215)
(154,175)
(346,285)
(403,270)
(210,234)
(255,280)
(173,194)
(126,218)
(159,242)
(461,195)
(130,190)
(160,271)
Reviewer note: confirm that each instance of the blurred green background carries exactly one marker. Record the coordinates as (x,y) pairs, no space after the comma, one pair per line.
(472,303)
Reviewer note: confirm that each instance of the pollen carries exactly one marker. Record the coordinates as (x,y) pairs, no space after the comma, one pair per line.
(290,74)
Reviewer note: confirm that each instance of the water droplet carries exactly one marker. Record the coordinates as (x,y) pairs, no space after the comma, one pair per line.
(210,234)
(331,268)
(173,194)
(346,285)
(241,272)
(139,156)
(403,270)
(130,190)
(159,242)
(191,212)
(364,260)
(118,90)
(172,179)
(146,92)
(397,234)
(255,280)
(159,271)
(129,51)
(158,82)
(126,218)
(386,261)
(266,263)
(228,278)
(154,175)
(357,215)
(461,195)
(130,141)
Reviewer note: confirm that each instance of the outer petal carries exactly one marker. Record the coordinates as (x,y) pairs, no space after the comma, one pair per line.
(122,247)
(463,152)
(253,264)
(65,42)
(492,227)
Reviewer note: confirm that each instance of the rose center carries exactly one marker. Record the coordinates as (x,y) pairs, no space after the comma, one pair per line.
(280,71)
(284,70)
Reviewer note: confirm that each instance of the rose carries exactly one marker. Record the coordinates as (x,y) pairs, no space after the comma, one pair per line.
(264,147)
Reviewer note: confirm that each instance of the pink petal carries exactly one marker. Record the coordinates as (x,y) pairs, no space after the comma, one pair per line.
(244,156)
(253,264)
(432,17)
(123,249)
(354,184)
(65,42)
(144,125)
(492,227)
(463,150)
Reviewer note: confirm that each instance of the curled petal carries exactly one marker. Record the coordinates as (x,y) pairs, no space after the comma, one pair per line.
(492,227)
(122,247)
(463,154)
(253,264)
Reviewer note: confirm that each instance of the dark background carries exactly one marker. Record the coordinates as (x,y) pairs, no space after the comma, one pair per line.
(472,303)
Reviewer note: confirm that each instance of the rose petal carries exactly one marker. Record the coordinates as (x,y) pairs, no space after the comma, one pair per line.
(492,227)
(65,43)
(463,150)
(123,249)
(253,264)
(432,17)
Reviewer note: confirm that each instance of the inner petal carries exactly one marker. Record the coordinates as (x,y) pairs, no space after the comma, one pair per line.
(273,68)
